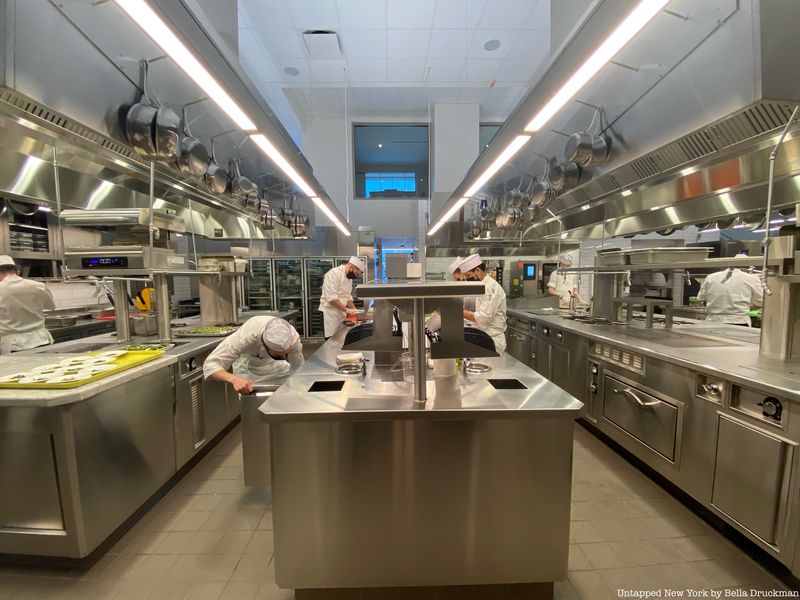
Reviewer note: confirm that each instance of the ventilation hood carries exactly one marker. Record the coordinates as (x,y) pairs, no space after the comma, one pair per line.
(692,108)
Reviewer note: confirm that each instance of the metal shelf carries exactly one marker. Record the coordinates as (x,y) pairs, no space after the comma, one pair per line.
(711,263)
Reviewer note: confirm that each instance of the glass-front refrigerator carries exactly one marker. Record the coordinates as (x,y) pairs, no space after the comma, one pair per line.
(259,285)
(289,288)
(316,268)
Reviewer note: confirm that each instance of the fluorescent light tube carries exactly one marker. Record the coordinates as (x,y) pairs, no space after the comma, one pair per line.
(446,217)
(504,157)
(320,203)
(624,33)
(262,142)
(161,34)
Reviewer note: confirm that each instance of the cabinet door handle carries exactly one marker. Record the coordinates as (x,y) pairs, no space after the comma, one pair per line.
(629,393)
(519,338)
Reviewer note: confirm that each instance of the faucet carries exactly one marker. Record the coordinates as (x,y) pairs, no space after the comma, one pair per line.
(465,365)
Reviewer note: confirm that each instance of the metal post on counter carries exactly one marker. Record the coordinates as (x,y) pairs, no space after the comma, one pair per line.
(418,353)
(163,314)
(57,186)
(150,227)
(121,313)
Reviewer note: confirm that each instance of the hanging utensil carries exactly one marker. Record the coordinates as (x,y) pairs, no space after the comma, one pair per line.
(194,158)
(565,176)
(241,186)
(543,192)
(216,179)
(140,119)
(509,218)
(518,198)
(167,132)
(488,213)
(586,148)
(300,225)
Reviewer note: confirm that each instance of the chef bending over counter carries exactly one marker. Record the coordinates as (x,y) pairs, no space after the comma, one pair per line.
(262,349)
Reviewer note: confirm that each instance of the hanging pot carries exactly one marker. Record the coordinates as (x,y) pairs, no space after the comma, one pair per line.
(241,186)
(704,225)
(587,148)
(216,179)
(300,225)
(518,198)
(543,192)
(168,127)
(194,157)
(509,218)
(753,222)
(565,176)
(268,216)
(140,119)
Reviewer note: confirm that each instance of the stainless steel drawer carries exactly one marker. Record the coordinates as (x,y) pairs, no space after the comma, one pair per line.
(650,420)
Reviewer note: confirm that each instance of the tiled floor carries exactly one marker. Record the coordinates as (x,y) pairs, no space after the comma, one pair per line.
(210,538)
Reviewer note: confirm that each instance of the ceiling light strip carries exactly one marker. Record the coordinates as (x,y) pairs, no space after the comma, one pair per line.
(320,203)
(624,33)
(161,34)
(276,157)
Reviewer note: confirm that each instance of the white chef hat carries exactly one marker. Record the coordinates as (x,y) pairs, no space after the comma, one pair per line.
(565,259)
(455,265)
(469,263)
(279,336)
(357,263)
(6,261)
(741,254)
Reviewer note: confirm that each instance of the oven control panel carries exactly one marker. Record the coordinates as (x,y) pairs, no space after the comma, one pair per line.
(759,405)
(104,262)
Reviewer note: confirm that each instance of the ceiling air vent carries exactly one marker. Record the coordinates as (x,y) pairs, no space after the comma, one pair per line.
(322,44)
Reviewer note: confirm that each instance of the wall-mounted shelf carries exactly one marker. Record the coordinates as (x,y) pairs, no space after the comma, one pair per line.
(711,263)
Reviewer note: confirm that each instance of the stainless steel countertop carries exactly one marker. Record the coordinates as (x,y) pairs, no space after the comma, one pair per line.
(385,395)
(727,351)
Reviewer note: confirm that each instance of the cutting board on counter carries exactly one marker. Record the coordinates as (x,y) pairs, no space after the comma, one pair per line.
(132,358)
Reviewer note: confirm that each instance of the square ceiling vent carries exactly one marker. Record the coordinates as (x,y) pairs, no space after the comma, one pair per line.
(322,44)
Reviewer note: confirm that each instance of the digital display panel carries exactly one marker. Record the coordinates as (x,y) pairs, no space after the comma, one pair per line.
(530,271)
(105,262)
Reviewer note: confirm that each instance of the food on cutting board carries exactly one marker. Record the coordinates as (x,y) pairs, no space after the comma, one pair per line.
(145,347)
(208,330)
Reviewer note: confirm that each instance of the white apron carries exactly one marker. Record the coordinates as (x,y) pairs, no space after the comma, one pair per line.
(332,318)
(16,342)
(260,370)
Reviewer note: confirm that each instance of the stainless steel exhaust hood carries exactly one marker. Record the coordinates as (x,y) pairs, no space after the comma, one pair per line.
(690,108)
(123,217)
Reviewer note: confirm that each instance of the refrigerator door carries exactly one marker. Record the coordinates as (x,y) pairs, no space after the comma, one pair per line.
(289,288)
(259,285)
(316,268)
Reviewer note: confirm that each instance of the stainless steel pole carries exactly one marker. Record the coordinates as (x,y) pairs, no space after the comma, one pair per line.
(152,198)
(57,184)
(163,308)
(418,353)
(121,313)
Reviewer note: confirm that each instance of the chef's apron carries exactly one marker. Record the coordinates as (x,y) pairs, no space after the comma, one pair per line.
(332,318)
(29,340)
(260,370)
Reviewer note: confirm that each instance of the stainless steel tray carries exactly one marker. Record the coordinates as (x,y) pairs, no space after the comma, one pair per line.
(611,258)
(645,256)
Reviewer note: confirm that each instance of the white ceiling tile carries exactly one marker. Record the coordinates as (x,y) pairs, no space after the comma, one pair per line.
(531,44)
(281,43)
(405,70)
(364,43)
(448,43)
(482,69)
(326,103)
(506,37)
(508,14)
(411,13)
(327,71)
(366,70)
(540,16)
(408,43)
(260,69)
(458,13)
(266,14)
(313,14)
(249,46)
(445,69)
(362,13)
(518,70)
(301,65)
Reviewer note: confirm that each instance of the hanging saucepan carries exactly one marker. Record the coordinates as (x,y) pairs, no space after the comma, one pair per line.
(543,192)
(666,231)
(753,222)
(300,225)
(565,176)
(216,179)
(140,119)
(488,214)
(586,148)
(241,186)
(167,133)
(509,218)
(268,216)
(726,222)
(518,198)
(475,228)
(194,156)
(704,225)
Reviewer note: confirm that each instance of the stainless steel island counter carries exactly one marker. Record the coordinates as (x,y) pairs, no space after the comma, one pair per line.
(369,492)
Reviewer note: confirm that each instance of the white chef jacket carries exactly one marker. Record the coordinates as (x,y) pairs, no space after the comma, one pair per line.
(728,299)
(335,286)
(563,283)
(490,313)
(22,306)
(244,347)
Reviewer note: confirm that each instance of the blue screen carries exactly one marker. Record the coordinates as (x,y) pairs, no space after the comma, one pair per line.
(530,271)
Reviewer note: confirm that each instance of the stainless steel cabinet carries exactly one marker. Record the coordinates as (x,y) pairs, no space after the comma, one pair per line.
(518,345)
(260,288)
(750,477)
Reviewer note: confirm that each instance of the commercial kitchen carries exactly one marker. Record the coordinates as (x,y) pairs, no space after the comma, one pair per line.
(413,299)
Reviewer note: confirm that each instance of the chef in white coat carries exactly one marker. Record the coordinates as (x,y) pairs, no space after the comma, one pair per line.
(336,302)
(729,295)
(490,309)
(261,350)
(563,285)
(454,269)
(22,306)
